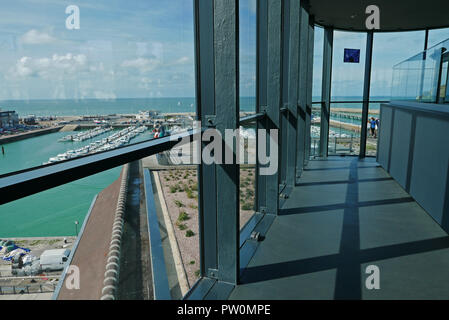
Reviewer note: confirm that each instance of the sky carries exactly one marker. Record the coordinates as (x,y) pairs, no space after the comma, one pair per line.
(389,49)
(123,49)
(144,49)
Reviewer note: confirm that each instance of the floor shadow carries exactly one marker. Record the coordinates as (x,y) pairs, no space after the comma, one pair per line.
(346,205)
(339,168)
(320,183)
(328,262)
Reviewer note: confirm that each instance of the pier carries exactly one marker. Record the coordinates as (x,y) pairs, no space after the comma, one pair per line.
(29,134)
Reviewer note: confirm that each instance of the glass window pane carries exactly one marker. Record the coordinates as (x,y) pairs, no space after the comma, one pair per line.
(126,57)
(347,77)
(437,35)
(317,64)
(247,34)
(389,49)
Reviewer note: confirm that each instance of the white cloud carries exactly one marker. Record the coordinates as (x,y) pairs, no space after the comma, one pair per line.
(47,68)
(36,37)
(182,60)
(141,64)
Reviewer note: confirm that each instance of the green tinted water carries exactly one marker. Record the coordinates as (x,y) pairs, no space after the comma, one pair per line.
(52,212)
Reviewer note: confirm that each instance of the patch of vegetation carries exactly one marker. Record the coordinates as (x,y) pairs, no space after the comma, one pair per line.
(189,194)
(193,206)
(183,216)
(35,242)
(192,262)
(179,204)
(189,233)
(181,226)
(195,187)
(247,206)
(173,189)
(197,273)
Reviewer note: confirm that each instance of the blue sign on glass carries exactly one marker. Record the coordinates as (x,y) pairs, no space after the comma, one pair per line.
(352,55)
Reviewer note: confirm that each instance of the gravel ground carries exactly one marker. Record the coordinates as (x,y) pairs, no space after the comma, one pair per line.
(181,196)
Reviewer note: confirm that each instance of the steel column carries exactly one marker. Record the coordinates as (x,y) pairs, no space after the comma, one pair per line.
(217,54)
(366,93)
(261,95)
(274,96)
(310,48)
(292,87)
(326,90)
(283,137)
(302,91)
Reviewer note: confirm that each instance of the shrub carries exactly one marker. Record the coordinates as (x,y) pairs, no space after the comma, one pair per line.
(179,204)
(195,187)
(189,194)
(247,206)
(180,225)
(193,206)
(197,273)
(192,262)
(173,189)
(189,233)
(183,216)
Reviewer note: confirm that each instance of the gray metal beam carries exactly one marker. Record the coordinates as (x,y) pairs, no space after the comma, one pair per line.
(366,92)
(226,46)
(274,95)
(261,93)
(309,86)
(217,62)
(283,137)
(302,91)
(205,93)
(326,90)
(292,97)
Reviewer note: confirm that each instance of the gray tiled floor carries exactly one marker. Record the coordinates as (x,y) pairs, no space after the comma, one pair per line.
(344,215)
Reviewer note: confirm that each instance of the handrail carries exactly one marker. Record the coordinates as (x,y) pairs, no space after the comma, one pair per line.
(23,183)
(251,118)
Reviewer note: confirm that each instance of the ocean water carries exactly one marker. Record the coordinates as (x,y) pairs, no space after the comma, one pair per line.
(54,211)
(105,107)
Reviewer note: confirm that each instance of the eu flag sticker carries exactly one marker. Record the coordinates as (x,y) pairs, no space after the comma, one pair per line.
(352,56)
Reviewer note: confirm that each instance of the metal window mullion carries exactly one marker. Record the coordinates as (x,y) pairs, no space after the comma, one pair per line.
(261,93)
(326,90)
(302,91)
(283,136)
(274,91)
(293,78)
(205,93)
(366,93)
(310,49)
(226,46)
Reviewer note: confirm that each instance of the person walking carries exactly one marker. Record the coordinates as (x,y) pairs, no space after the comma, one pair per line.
(372,123)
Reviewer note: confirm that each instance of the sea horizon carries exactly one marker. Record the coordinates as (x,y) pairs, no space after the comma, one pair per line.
(92,106)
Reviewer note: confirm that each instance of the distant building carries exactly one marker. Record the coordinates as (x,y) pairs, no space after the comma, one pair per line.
(146,115)
(30,120)
(8,119)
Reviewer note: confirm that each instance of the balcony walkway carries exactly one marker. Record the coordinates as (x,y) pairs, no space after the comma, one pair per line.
(344,215)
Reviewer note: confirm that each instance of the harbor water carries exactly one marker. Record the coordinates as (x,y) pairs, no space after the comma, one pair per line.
(54,211)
